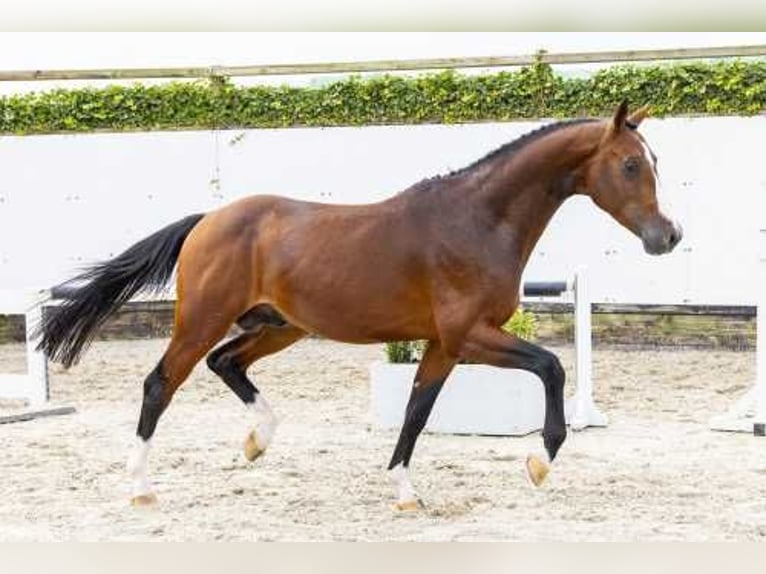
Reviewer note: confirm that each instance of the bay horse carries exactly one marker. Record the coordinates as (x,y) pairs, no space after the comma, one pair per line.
(441,261)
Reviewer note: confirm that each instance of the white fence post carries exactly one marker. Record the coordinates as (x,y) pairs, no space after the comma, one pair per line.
(33,385)
(748,414)
(37,364)
(759,422)
(581,409)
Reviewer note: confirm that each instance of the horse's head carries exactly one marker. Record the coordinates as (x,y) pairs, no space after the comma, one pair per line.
(621,178)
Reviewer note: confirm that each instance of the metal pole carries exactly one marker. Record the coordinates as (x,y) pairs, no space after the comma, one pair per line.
(385,65)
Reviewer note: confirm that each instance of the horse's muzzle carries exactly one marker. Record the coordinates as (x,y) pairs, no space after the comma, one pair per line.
(661,236)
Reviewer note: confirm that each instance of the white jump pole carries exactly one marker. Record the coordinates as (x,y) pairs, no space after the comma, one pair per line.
(581,410)
(749,413)
(32,386)
(37,364)
(759,422)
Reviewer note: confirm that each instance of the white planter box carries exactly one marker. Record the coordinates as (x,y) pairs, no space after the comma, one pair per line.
(476,399)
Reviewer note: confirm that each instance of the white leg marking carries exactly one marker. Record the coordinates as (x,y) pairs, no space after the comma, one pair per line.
(400,475)
(137,468)
(265,421)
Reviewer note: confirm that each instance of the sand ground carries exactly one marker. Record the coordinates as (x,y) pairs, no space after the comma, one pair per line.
(656,473)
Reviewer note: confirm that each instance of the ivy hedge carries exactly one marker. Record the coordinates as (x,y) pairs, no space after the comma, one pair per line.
(723,88)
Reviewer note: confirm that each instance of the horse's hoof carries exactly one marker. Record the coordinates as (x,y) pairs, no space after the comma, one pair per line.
(409,506)
(144,500)
(537,469)
(252,450)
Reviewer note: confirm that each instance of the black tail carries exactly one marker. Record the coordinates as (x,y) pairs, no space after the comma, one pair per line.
(93,296)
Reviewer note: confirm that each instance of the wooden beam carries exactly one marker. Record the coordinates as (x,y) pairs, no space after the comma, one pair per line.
(31,415)
(386,65)
(743,311)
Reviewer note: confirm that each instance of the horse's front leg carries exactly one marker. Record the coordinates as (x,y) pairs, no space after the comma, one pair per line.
(432,372)
(493,346)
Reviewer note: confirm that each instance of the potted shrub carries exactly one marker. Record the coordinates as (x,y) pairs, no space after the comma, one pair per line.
(476,399)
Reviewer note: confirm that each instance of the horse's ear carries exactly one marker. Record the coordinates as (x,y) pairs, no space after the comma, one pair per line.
(618,122)
(638,116)
(620,116)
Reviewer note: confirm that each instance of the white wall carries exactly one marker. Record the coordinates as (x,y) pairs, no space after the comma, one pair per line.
(69,200)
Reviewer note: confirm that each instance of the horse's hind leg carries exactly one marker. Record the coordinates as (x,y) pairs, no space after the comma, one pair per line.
(230,362)
(190,342)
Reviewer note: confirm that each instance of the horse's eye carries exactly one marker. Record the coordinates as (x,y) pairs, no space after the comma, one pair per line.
(630,166)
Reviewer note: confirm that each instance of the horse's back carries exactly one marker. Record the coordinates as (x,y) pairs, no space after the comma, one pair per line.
(316,262)
(311,261)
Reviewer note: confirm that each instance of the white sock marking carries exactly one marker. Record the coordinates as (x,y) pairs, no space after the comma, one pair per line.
(265,421)
(137,468)
(400,475)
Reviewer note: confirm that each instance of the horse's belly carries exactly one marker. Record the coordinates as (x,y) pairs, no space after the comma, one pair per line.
(350,318)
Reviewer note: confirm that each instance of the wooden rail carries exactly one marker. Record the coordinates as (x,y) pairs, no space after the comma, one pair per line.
(386,65)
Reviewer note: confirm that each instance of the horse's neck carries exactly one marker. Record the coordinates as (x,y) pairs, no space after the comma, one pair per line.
(523,191)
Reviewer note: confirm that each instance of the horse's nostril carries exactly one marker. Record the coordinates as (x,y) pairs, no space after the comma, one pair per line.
(675,236)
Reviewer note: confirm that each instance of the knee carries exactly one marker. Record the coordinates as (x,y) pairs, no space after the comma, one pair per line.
(550,369)
(219,363)
(213,362)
